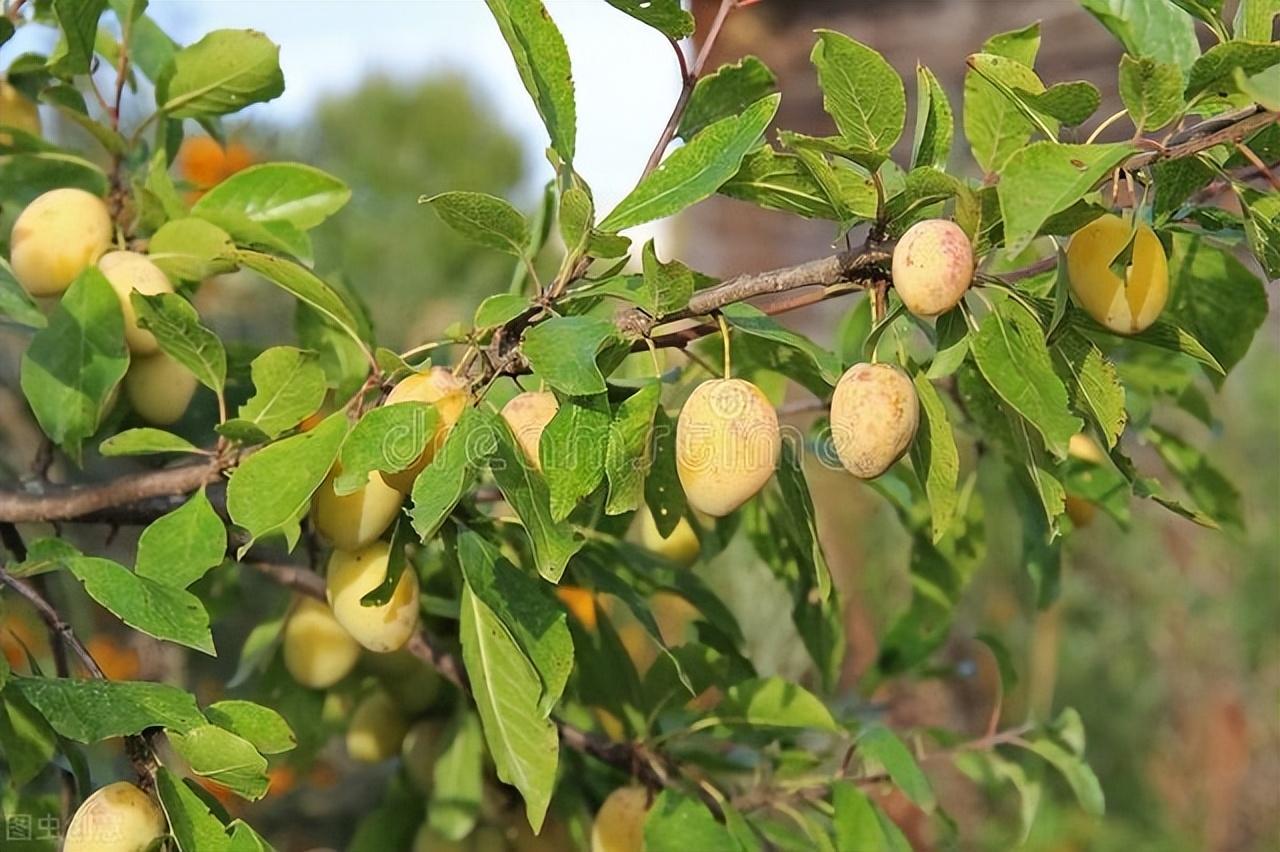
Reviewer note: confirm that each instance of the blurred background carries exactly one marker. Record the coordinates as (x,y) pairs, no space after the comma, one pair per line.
(1165,637)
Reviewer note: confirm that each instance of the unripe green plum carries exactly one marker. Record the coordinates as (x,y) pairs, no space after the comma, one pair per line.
(351,576)
(318,651)
(59,235)
(18,112)
(619,824)
(352,521)
(449,394)
(128,271)
(420,750)
(1125,306)
(528,415)
(116,818)
(159,388)
(874,416)
(727,445)
(932,267)
(377,729)
(681,547)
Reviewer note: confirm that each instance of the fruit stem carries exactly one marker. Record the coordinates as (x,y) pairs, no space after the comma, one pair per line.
(728,354)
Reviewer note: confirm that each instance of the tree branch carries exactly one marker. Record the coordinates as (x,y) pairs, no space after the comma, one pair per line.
(73,502)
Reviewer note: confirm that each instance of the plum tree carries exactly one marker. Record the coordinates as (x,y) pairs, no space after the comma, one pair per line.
(352,521)
(1125,305)
(681,547)
(419,752)
(874,416)
(18,112)
(932,267)
(56,237)
(352,575)
(449,394)
(619,824)
(727,445)
(318,651)
(116,818)
(127,272)
(377,729)
(528,414)
(159,388)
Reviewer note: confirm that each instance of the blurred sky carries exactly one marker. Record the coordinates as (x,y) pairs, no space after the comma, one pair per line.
(328,45)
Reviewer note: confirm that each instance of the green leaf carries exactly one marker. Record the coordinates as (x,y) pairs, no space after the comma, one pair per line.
(666,16)
(573,450)
(1151,91)
(25,176)
(192,823)
(72,367)
(935,458)
(483,219)
(192,249)
(527,608)
(629,449)
(1011,353)
(144,441)
(524,743)
(224,758)
(563,350)
(26,740)
(277,235)
(499,309)
(1070,103)
(1214,297)
(1254,19)
(305,286)
(726,92)
(162,610)
(296,193)
(543,62)
(89,711)
(861,826)
(263,727)
(1262,226)
(15,303)
(78,20)
(677,823)
(1083,782)
(935,123)
(1211,491)
(1021,45)
(671,284)
(245,839)
(1154,28)
(663,493)
(554,542)
(181,547)
(778,182)
(1092,383)
(271,489)
(1045,178)
(750,320)
(797,505)
(862,93)
(457,791)
(388,438)
(1215,70)
(880,745)
(695,171)
(289,385)
(222,73)
(993,122)
(177,328)
(577,220)
(775,702)
(443,482)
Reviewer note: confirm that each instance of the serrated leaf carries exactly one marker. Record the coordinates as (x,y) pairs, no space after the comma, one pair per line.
(191,249)
(72,367)
(162,610)
(935,123)
(670,284)
(862,94)
(224,758)
(89,711)
(1011,353)
(629,450)
(145,441)
(1045,178)
(524,744)
(695,171)
(543,62)
(289,385)
(1215,70)
(176,326)
(563,350)
(666,16)
(573,450)
(389,439)
(484,219)
(1070,103)
(181,547)
(1092,384)
(778,182)
(443,482)
(271,489)
(294,192)
(222,73)
(1154,28)
(1151,91)
(1262,226)
(727,91)
(935,458)
(78,20)
(994,124)
(775,702)
(305,286)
